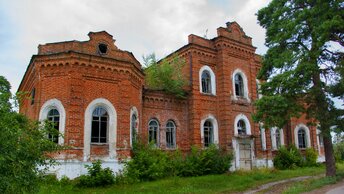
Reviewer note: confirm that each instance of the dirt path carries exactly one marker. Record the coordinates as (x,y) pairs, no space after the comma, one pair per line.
(278,186)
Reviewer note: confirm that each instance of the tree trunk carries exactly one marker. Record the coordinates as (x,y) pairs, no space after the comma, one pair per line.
(329,156)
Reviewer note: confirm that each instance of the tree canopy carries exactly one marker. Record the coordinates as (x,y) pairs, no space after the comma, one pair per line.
(23,147)
(165,75)
(303,67)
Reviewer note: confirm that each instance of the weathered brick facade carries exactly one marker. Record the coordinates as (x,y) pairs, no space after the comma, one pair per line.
(76,77)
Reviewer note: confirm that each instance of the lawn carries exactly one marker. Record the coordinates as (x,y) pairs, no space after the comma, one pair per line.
(226,183)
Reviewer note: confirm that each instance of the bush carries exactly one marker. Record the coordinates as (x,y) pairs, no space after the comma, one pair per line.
(288,158)
(96,176)
(338,149)
(310,157)
(149,163)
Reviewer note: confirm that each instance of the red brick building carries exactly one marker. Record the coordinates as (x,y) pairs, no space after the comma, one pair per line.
(95,93)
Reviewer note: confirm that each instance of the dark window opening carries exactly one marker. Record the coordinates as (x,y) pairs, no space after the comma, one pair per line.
(278,138)
(153,128)
(99,125)
(33,93)
(302,138)
(133,128)
(239,85)
(102,48)
(241,127)
(54,117)
(208,130)
(206,82)
(170,134)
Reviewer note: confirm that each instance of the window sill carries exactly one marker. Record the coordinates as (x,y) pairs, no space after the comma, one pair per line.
(99,144)
(207,94)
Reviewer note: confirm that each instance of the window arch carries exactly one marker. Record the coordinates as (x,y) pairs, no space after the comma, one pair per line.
(100,119)
(134,125)
(207,81)
(170,134)
(302,136)
(95,113)
(54,111)
(277,138)
(209,131)
(153,131)
(242,125)
(54,117)
(240,87)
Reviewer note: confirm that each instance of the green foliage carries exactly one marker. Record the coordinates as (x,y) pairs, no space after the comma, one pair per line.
(23,147)
(165,75)
(149,163)
(96,177)
(339,151)
(287,158)
(303,65)
(310,157)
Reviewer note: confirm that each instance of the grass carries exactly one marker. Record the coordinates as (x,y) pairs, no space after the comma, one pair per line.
(226,183)
(312,184)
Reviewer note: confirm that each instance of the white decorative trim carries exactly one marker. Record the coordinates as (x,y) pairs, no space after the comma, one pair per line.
(54,104)
(259,95)
(308,139)
(213,120)
(112,128)
(263,136)
(246,93)
(247,123)
(133,111)
(212,79)
(273,137)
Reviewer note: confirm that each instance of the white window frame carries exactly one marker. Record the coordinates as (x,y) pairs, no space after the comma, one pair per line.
(54,104)
(212,79)
(173,134)
(308,139)
(112,127)
(157,143)
(246,92)
(247,123)
(274,138)
(213,120)
(262,136)
(133,111)
(259,95)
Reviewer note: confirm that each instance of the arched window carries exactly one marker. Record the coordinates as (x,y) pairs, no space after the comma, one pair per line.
(206,82)
(54,117)
(99,125)
(241,126)
(153,131)
(208,133)
(170,134)
(239,85)
(301,134)
(133,128)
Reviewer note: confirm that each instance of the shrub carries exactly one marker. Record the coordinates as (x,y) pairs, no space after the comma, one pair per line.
(338,149)
(149,163)
(310,157)
(287,158)
(96,176)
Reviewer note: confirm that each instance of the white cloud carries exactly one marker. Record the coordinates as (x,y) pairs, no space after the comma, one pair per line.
(141,27)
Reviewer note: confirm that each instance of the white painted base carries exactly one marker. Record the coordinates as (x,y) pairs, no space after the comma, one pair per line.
(74,168)
(321,159)
(262,162)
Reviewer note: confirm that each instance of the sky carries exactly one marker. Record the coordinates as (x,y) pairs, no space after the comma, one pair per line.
(141,27)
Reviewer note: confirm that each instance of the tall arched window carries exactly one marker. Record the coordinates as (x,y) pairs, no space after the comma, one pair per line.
(153,131)
(133,128)
(241,126)
(206,82)
(170,134)
(301,134)
(99,125)
(239,85)
(208,133)
(54,117)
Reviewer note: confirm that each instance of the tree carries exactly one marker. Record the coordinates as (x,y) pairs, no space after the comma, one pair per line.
(303,66)
(165,75)
(23,147)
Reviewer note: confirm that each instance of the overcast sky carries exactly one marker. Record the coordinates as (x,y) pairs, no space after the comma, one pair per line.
(139,26)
